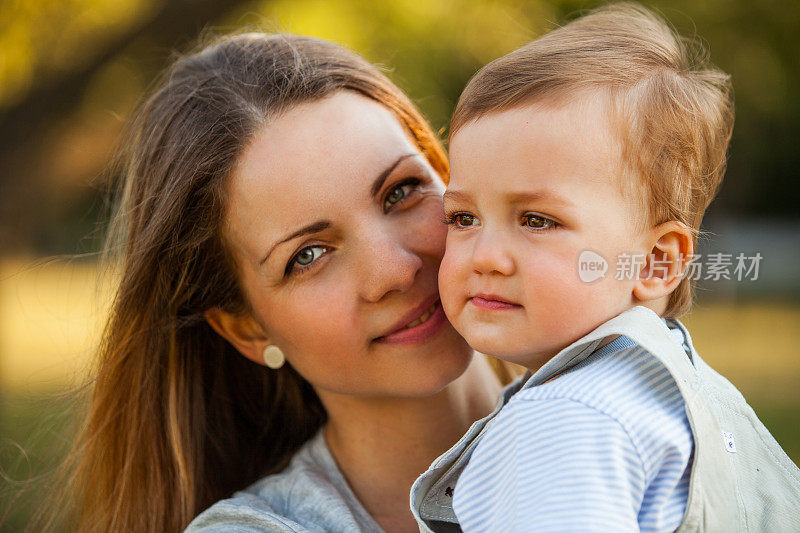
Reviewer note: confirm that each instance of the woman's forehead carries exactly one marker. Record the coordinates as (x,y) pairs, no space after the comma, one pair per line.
(337,140)
(321,156)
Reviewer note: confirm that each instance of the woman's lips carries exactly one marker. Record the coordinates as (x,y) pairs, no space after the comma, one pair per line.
(420,329)
(492,303)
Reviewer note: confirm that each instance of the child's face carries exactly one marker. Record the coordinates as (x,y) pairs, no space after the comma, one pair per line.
(530,189)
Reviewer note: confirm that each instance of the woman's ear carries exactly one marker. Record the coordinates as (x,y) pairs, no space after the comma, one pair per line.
(671,249)
(242,331)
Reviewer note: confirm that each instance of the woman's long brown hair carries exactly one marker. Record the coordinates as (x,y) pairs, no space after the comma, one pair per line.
(177,418)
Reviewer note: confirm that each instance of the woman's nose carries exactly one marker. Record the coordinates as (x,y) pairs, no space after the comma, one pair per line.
(389,265)
(492,254)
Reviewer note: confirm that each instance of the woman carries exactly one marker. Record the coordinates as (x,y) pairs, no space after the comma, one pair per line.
(281,205)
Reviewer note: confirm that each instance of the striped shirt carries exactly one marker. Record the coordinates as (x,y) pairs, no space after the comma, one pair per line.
(606,446)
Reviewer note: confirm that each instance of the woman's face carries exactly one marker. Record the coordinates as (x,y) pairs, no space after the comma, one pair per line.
(335,219)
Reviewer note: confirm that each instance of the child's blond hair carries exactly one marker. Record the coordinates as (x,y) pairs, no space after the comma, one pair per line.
(672,108)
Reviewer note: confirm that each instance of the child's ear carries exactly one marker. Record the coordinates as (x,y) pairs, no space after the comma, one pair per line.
(242,331)
(671,249)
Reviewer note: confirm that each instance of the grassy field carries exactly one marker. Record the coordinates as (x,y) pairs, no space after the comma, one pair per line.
(50,315)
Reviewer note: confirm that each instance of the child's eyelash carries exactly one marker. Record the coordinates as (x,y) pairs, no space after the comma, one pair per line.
(549,223)
(452,219)
(449,218)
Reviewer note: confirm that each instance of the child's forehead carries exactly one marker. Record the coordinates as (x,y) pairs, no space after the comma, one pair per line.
(562,140)
(592,104)
(557,148)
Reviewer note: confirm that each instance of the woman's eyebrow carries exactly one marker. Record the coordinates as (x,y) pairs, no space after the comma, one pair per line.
(379,181)
(315,227)
(321,225)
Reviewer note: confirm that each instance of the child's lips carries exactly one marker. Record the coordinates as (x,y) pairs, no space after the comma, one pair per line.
(492,302)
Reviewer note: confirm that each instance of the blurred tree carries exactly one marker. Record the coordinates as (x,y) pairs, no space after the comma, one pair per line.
(25,203)
(71,71)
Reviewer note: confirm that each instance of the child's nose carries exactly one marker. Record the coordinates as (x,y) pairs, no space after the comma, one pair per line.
(493,255)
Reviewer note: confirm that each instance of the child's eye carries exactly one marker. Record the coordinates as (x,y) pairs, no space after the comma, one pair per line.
(538,222)
(303,258)
(461,220)
(399,192)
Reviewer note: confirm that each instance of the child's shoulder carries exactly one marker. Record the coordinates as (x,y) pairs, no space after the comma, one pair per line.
(622,382)
(621,369)
(612,426)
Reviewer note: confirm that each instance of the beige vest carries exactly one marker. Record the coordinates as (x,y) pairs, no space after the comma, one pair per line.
(741,479)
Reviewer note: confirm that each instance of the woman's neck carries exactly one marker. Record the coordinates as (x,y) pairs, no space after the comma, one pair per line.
(381,446)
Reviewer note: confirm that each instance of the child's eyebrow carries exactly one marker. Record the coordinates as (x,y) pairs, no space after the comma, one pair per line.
(456,196)
(513,197)
(543,195)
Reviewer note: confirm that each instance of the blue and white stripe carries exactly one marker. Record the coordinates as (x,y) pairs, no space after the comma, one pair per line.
(604,447)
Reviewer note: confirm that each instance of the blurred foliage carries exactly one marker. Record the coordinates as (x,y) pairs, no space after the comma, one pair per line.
(46,37)
(35,435)
(72,71)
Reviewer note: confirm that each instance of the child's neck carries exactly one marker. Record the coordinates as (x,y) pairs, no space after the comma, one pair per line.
(658,306)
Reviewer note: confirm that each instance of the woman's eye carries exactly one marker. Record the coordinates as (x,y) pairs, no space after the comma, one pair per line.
(305,257)
(538,222)
(399,192)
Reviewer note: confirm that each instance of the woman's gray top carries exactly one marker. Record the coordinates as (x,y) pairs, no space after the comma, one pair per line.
(311,494)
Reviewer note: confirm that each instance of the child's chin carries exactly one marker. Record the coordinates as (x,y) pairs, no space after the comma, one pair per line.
(512,354)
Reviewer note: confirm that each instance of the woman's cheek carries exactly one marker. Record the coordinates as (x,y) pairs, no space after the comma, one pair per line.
(321,338)
(452,278)
(313,310)
(426,228)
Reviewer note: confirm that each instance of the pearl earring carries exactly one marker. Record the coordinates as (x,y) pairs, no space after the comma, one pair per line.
(273,357)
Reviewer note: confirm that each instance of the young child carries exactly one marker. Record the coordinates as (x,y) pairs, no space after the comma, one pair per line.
(602,142)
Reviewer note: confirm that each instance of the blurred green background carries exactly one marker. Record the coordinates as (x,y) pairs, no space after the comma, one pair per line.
(72,71)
